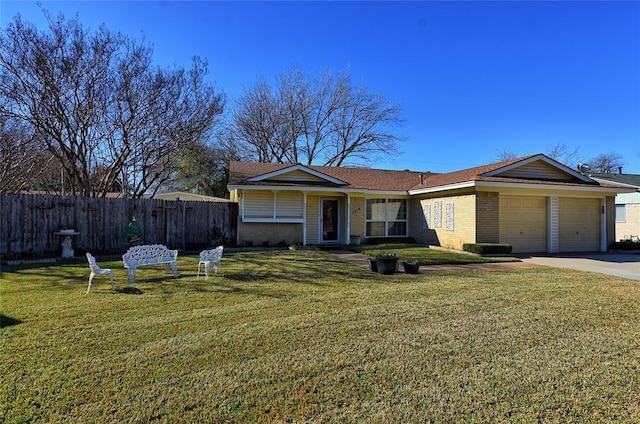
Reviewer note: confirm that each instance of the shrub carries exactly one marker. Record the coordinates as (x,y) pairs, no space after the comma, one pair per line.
(386,255)
(218,237)
(625,245)
(386,240)
(487,248)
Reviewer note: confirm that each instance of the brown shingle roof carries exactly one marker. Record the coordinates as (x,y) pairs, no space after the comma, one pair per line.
(356,178)
(386,180)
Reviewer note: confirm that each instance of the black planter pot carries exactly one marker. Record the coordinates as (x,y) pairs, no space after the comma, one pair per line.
(410,268)
(373,264)
(387,266)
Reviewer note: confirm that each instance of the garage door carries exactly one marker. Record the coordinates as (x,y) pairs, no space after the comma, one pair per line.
(523,223)
(579,222)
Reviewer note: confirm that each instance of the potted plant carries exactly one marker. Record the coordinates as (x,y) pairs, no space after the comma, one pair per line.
(410,267)
(373,264)
(387,263)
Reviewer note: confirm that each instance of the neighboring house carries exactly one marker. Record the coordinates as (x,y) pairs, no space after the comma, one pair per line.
(627,204)
(533,203)
(183,195)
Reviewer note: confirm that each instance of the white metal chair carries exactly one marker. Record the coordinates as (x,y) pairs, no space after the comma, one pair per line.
(96,270)
(210,257)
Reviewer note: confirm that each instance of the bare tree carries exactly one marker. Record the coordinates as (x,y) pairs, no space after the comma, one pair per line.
(506,154)
(314,119)
(564,154)
(606,163)
(96,102)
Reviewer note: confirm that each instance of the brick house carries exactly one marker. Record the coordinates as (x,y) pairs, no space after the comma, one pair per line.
(533,203)
(627,204)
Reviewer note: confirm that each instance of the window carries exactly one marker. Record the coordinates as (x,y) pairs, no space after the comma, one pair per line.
(386,217)
(621,213)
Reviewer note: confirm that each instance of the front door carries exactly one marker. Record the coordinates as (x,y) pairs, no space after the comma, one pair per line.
(329,220)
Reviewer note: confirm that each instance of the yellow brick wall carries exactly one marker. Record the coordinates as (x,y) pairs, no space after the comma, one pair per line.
(464,222)
(631,225)
(417,229)
(487,218)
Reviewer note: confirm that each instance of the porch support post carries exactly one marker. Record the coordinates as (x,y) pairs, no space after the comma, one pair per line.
(275,202)
(347,232)
(603,225)
(304,218)
(553,235)
(242,205)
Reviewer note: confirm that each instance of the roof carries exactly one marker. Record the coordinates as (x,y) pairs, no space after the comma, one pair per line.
(626,179)
(354,178)
(533,169)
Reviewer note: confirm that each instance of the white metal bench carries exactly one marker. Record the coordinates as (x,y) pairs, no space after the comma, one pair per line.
(96,270)
(208,258)
(149,254)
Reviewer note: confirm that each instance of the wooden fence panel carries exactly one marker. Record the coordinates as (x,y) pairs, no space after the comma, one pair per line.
(28,223)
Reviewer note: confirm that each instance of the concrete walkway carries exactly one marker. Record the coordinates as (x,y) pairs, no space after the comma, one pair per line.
(620,265)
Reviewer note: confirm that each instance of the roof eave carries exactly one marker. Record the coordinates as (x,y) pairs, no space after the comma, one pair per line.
(496,184)
(310,189)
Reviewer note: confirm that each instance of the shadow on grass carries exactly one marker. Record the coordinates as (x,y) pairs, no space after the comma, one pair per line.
(6,321)
(129,290)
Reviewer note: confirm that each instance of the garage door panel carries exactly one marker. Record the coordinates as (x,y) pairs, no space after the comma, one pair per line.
(523,223)
(579,224)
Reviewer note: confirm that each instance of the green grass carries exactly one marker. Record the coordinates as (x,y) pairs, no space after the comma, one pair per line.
(299,336)
(430,256)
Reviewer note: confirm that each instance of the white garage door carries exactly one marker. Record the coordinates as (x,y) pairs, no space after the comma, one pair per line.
(579,222)
(523,223)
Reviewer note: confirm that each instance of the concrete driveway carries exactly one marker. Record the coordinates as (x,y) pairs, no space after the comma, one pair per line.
(620,265)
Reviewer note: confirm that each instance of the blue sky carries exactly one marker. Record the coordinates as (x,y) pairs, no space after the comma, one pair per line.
(473,78)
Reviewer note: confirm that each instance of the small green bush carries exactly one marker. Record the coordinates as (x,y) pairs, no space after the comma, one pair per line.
(487,248)
(625,245)
(387,240)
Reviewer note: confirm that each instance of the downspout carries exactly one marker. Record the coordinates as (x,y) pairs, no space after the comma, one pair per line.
(348,221)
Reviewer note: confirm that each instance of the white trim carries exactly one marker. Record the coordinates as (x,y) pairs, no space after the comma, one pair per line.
(347,229)
(320,220)
(304,218)
(436,189)
(543,158)
(386,217)
(603,180)
(294,168)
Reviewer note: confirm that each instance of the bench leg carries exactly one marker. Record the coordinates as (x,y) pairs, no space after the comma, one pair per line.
(90,280)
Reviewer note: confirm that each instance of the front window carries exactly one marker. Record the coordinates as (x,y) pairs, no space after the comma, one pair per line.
(621,213)
(386,217)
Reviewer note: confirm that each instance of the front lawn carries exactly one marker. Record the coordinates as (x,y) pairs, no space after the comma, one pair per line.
(430,256)
(299,336)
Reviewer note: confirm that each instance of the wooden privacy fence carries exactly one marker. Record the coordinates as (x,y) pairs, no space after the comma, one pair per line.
(28,223)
